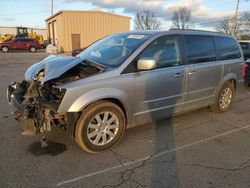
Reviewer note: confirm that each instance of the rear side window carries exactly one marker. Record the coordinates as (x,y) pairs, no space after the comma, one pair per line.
(17,40)
(228,48)
(29,40)
(199,49)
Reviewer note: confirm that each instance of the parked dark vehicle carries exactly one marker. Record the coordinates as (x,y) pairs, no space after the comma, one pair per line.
(246,73)
(245,46)
(20,44)
(77,51)
(128,79)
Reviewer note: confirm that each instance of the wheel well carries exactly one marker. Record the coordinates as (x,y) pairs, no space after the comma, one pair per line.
(233,82)
(119,103)
(115,101)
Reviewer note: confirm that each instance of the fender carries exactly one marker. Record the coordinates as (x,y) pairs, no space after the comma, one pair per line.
(229,77)
(98,94)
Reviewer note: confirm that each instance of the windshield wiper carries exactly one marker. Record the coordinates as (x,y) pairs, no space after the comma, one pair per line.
(98,65)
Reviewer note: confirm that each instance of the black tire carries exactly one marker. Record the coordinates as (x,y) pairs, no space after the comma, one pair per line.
(218,102)
(32,49)
(88,118)
(5,49)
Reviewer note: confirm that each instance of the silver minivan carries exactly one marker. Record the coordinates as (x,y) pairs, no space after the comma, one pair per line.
(127,79)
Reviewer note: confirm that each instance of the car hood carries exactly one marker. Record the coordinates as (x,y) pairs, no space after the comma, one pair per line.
(53,66)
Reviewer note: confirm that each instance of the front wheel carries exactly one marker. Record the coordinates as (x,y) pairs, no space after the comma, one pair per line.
(101,126)
(223,100)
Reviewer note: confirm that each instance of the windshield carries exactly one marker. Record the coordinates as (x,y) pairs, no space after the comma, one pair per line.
(112,50)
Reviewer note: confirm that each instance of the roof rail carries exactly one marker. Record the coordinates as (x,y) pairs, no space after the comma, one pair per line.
(176,29)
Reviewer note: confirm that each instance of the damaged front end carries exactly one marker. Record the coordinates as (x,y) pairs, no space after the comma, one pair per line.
(36,99)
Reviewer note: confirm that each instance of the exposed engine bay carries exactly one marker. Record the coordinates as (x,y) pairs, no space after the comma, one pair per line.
(36,99)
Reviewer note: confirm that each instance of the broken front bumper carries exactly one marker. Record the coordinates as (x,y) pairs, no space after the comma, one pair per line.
(15,101)
(18,110)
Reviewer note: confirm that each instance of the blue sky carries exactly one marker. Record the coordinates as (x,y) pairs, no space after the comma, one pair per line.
(32,13)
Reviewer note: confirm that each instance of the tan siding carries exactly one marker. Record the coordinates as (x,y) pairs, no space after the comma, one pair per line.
(58,20)
(91,25)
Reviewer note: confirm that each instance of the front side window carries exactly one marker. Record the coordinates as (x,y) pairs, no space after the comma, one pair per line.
(165,50)
(111,51)
(199,49)
(228,48)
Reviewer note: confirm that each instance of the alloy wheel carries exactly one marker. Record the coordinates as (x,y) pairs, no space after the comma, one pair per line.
(226,98)
(5,49)
(102,128)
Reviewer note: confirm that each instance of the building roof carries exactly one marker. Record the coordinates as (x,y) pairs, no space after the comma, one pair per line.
(85,11)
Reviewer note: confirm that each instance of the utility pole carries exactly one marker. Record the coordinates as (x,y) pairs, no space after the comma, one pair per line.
(234,25)
(52,7)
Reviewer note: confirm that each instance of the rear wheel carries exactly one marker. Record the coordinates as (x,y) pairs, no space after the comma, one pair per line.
(223,100)
(32,49)
(5,49)
(101,126)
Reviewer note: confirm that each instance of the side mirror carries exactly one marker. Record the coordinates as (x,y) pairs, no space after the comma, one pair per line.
(146,64)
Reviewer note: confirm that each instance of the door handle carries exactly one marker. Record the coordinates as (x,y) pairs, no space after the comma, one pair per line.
(178,74)
(192,73)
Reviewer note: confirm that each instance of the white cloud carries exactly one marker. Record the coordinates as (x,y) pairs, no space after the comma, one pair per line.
(162,8)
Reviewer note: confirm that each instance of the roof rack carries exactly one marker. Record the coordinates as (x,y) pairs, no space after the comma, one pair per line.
(176,29)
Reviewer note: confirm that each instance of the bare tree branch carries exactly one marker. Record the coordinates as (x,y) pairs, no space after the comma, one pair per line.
(181,18)
(224,26)
(242,24)
(246,19)
(146,20)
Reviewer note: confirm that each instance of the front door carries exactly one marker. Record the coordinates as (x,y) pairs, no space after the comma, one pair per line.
(75,41)
(17,44)
(160,92)
(203,71)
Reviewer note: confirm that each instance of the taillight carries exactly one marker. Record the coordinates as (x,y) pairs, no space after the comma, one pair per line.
(244,69)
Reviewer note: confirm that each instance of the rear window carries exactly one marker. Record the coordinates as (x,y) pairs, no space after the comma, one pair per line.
(200,49)
(228,48)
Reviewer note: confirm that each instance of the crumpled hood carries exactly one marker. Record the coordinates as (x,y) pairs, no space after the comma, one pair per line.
(54,66)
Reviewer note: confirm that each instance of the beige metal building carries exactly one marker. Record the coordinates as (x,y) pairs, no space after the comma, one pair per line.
(69,30)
